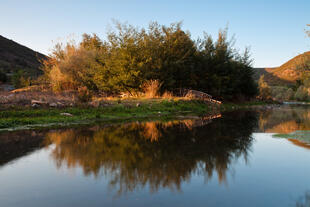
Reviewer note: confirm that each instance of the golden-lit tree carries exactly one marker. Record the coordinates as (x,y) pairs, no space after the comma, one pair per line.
(131,56)
(264,89)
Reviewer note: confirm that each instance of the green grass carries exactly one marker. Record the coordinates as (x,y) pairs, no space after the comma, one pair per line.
(28,118)
(12,119)
(303,136)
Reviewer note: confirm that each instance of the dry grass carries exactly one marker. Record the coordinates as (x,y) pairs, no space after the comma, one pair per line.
(24,98)
(151,88)
(167,95)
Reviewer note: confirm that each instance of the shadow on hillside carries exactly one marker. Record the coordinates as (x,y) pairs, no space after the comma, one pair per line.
(270,78)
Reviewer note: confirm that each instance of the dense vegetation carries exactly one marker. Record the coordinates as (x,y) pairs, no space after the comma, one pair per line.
(129,57)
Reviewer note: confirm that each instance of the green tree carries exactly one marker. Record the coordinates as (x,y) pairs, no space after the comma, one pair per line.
(264,89)
(131,56)
(20,79)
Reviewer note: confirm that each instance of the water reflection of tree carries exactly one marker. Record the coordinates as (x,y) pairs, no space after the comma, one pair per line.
(154,153)
(284,119)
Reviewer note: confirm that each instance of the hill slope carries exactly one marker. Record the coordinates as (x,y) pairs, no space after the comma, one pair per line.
(286,74)
(14,56)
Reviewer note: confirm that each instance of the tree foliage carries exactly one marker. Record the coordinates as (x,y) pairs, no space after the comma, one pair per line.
(264,89)
(130,56)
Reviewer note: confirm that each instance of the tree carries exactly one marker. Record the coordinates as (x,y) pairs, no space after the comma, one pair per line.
(130,56)
(264,89)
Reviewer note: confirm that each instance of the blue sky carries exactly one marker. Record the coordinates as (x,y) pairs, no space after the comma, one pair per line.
(274,29)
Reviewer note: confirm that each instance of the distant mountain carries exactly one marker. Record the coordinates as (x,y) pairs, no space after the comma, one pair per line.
(286,74)
(14,56)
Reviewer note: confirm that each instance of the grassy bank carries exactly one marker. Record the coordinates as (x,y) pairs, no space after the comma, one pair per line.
(22,118)
(128,110)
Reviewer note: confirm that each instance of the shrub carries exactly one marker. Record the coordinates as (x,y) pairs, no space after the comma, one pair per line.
(301,94)
(264,89)
(20,79)
(167,94)
(151,88)
(289,94)
(83,94)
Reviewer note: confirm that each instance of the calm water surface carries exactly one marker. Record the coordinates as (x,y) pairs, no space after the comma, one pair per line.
(231,160)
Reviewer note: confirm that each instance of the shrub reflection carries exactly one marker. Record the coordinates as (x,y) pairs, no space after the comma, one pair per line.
(157,154)
(284,119)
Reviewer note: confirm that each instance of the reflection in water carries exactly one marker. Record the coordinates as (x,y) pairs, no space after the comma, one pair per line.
(157,156)
(300,144)
(288,120)
(285,119)
(155,153)
(17,144)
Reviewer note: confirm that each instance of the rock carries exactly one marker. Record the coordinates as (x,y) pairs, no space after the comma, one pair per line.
(95,104)
(38,102)
(138,105)
(53,105)
(35,105)
(197,94)
(66,114)
(60,104)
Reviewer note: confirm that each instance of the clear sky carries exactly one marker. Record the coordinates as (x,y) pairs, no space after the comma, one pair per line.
(274,29)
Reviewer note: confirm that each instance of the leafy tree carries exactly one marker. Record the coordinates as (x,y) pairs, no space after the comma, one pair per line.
(131,56)
(301,94)
(264,89)
(289,94)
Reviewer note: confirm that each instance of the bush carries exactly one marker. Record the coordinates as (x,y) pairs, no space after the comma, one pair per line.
(289,94)
(282,93)
(83,94)
(151,88)
(167,95)
(301,94)
(264,89)
(20,79)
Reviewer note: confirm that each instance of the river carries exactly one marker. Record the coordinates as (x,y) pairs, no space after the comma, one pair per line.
(232,159)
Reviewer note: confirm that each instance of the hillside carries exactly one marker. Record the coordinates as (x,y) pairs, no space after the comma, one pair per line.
(14,56)
(286,74)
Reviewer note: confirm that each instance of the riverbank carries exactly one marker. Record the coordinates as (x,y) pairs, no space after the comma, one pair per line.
(25,118)
(119,111)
